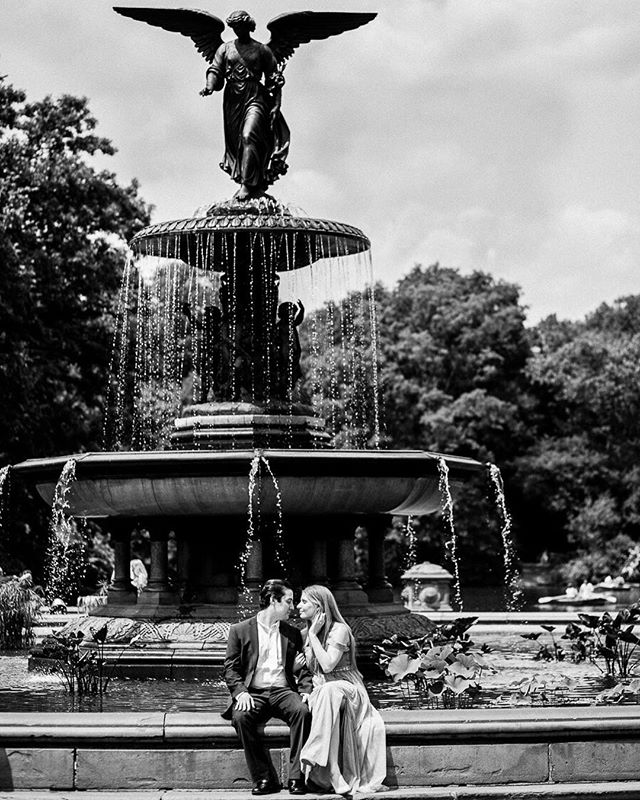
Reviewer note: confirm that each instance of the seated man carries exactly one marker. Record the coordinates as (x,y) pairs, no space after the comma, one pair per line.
(259,671)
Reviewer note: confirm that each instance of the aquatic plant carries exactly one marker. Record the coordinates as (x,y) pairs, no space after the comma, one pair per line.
(539,689)
(81,670)
(618,692)
(546,652)
(19,609)
(607,640)
(441,667)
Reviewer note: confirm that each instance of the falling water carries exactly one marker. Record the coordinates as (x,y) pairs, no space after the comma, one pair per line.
(410,538)
(62,570)
(5,473)
(451,543)
(245,607)
(253,522)
(161,351)
(280,550)
(512,592)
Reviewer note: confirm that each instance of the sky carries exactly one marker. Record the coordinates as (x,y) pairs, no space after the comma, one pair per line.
(499,135)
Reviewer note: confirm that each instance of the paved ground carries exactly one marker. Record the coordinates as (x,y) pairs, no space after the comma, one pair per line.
(619,790)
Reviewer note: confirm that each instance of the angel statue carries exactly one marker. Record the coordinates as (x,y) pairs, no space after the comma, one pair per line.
(255,132)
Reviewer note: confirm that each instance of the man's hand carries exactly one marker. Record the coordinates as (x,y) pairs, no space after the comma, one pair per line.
(205,92)
(305,697)
(244,702)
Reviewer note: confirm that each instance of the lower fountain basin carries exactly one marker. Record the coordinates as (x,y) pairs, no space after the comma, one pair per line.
(160,483)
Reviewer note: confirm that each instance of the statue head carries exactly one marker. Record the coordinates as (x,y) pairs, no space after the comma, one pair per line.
(287,311)
(241,19)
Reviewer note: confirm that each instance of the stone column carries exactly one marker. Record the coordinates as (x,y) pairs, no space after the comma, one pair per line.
(344,585)
(254,574)
(379,589)
(121,593)
(318,572)
(213,559)
(184,558)
(158,592)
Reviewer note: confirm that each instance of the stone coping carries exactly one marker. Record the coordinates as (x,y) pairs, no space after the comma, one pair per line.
(415,727)
(609,790)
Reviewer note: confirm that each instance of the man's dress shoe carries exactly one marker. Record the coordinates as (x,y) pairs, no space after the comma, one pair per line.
(297,786)
(265,787)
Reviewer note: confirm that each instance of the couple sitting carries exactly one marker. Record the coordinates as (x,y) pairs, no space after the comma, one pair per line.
(311,682)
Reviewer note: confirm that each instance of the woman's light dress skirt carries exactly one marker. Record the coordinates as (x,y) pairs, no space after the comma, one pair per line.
(346,748)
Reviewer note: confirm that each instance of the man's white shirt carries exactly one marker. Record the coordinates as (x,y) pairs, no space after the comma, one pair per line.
(269,669)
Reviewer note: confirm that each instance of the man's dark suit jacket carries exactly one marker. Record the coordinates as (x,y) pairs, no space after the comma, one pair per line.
(242,658)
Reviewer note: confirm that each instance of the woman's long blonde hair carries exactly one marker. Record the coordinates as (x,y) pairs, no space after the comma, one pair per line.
(324,599)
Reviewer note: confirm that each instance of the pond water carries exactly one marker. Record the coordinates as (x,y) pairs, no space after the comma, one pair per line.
(512,657)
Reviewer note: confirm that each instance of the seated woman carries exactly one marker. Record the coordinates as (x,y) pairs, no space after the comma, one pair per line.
(346,748)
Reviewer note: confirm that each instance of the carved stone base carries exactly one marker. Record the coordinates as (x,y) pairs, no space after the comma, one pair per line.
(195,648)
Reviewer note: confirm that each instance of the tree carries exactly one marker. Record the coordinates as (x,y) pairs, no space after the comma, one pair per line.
(63,228)
(583,468)
(451,351)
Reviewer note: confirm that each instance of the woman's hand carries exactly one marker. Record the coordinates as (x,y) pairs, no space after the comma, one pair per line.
(300,661)
(317,624)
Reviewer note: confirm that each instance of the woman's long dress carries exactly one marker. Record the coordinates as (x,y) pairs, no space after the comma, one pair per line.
(346,748)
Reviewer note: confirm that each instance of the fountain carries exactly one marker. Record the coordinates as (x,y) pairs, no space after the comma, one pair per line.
(243,474)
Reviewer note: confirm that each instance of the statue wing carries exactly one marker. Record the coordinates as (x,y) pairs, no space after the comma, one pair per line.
(204,30)
(290,30)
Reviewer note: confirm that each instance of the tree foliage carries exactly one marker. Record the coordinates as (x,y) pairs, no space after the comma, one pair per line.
(583,466)
(63,228)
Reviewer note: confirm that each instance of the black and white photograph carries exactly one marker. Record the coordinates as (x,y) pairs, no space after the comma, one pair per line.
(320,399)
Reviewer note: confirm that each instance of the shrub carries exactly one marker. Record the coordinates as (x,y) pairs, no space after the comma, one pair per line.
(19,608)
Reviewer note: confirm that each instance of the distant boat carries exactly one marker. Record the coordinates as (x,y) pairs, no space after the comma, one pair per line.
(575,600)
(615,585)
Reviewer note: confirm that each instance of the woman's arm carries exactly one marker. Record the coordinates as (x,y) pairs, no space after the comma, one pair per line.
(337,644)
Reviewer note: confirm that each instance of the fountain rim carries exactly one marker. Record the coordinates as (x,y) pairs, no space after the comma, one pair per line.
(250,223)
(184,463)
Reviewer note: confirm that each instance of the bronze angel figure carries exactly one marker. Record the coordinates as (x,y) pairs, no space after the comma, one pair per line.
(255,132)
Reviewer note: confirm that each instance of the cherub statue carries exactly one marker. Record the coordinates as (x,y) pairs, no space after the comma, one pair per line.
(290,316)
(211,364)
(256,134)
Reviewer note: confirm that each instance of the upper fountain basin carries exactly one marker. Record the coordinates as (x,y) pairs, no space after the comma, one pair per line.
(233,232)
(206,483)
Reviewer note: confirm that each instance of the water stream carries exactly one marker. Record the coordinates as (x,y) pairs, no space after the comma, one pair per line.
(60,568)
(512,591)
(451,541)
(5,474)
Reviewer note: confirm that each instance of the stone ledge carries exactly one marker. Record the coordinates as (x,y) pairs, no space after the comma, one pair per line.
(477,747)
(574,791)
(532,724)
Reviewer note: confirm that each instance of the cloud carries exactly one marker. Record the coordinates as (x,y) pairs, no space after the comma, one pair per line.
(484,134)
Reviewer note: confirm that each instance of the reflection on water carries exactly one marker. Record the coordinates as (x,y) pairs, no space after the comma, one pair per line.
(511,655)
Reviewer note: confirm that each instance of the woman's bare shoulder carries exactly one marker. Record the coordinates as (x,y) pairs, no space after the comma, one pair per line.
(341,631)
